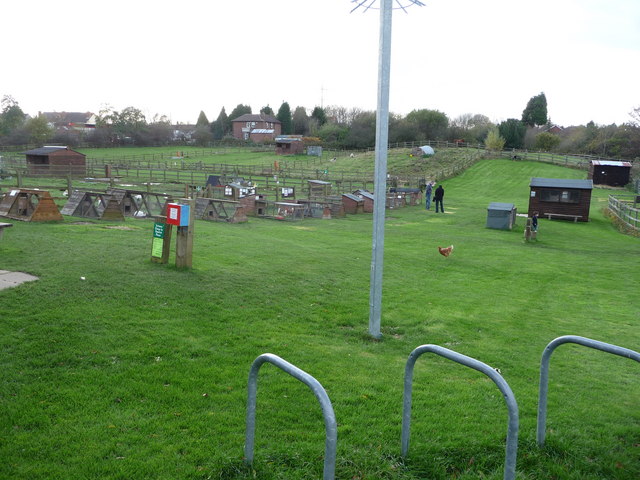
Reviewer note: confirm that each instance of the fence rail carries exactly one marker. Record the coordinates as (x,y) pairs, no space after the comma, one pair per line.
(625,208)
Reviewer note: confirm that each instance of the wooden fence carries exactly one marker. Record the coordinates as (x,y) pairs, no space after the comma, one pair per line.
(625,208)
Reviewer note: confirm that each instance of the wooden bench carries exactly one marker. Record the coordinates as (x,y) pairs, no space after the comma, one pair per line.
(562,215)
(3,226)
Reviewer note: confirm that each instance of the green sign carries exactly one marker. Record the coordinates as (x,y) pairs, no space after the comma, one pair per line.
(158,230)
(156,247)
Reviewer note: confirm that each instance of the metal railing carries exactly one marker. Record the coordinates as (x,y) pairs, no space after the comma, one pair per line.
(513,425)
(544,371)
(331,439)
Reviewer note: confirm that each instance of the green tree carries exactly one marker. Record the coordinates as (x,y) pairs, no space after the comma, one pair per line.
(430,124)
(333,134)
(202,121)
(494,141)
(319,115)
(513,132)
(300,121)
(239,111)
(546,141)
(39,130)
(267,111)
(362,131)
(401,130)
(284,115)
(221,126)
(535,113)
(12,117)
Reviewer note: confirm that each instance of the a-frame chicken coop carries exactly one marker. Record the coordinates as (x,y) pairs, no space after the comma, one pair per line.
(29,205)
(93,205)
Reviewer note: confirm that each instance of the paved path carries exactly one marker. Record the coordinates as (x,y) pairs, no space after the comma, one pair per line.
(13,279)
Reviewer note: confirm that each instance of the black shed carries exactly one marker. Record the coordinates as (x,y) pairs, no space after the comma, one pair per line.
(607,172)
(560,198)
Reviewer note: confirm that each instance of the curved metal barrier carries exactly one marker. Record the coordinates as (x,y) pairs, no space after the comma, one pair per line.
(512,431)
(320,393)
(544,371)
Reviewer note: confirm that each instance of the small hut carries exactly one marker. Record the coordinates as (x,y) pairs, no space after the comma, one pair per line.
(319,188)
(606,172)
(289,144)
(29,205)
(367,199)
(56,161)
(501,216)
(560,198)
(352,203)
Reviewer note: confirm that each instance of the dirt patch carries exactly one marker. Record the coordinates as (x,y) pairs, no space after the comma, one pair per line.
(119,227)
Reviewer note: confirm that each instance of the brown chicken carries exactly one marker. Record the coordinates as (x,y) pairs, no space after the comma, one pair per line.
(445,251)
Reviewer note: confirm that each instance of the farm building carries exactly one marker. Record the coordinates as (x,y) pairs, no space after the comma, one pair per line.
(352,203)
(319,188)
(289,145)
(367,198)
(71,121)
(56,160)
(501,216)
(560,198)
(257,128)
(615,174)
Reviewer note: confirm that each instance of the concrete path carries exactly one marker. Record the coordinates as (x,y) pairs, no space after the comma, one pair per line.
(13,279)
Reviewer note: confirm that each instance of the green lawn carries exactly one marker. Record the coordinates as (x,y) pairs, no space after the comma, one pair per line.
(140,370)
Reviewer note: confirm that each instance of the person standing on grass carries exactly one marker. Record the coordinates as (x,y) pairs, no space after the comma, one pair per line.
(439,197)
(427,193)
(534,222)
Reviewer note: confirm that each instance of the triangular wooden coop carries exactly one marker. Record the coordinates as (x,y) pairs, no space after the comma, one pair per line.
(140,204)
(30,206)
(93,205)
(220,210)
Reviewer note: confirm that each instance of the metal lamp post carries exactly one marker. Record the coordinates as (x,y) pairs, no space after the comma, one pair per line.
(382,145)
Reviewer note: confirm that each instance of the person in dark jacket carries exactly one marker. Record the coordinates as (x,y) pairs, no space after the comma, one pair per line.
(438,197)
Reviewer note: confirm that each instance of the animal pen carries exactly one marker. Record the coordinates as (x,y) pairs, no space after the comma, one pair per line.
(30,205)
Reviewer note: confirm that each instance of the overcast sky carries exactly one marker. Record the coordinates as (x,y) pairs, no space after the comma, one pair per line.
(179,57)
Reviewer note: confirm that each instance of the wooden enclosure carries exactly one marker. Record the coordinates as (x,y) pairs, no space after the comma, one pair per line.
(30,206)
(97,205)
(56,161)
(220,210)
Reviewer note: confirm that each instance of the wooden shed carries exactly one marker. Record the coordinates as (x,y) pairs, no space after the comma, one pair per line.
(352,203)
(289,145)
(606,172)
(29,205)
(560,198)
(56,161)
(319,188)
(367,199)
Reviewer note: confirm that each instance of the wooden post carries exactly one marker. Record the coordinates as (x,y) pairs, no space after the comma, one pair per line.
(184,237)
(69,190)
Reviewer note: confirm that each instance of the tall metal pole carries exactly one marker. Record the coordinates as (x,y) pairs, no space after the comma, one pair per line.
(380,187)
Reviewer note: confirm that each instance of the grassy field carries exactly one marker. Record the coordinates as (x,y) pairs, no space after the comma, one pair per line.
(140,370)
